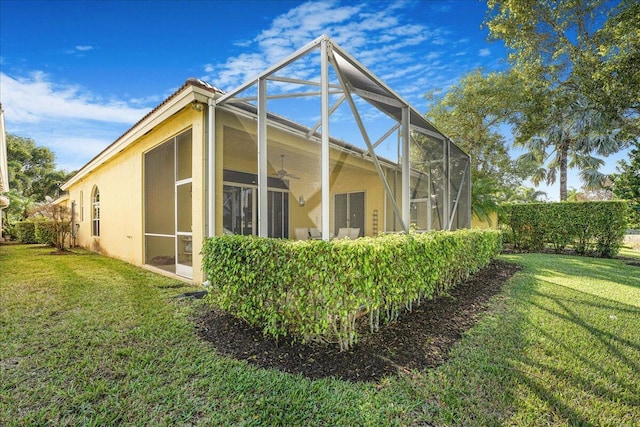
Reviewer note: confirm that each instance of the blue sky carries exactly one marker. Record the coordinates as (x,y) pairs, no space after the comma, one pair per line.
(75,75)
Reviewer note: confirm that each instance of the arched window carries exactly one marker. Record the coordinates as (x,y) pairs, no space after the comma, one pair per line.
(95,212)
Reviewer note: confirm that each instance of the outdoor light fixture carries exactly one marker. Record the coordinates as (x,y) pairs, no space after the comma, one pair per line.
(301,201)
(197,105)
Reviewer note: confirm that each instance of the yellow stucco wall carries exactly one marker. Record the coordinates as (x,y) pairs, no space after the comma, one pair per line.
(476,223)
(121,180)
(236,145)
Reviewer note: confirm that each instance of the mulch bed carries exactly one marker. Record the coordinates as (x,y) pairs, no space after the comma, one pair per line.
(419,339)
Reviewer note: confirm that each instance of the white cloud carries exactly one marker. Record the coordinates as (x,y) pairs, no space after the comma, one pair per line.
(411,56)
(79,50)
(35,98)
(367,31)
(75,124)
(484,52)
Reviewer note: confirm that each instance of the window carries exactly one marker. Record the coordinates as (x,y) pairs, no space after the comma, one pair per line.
(95,212)
(81,206)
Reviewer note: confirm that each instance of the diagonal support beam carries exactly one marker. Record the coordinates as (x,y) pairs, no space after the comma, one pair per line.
(367,141)
(382,138)
(331,111)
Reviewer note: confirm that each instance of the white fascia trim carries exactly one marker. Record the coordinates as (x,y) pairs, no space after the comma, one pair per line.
(176,104)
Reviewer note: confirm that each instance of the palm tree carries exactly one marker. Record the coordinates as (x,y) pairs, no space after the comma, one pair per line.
(485,194)
(572,135)
(525,195)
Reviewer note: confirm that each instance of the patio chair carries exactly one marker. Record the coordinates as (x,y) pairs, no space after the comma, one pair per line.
(354,233)
(343,233)
(315,233)
(302,233)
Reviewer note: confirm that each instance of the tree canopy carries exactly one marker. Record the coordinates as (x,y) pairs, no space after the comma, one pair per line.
(471,114)
(626,182)
(577,65)
(32,175)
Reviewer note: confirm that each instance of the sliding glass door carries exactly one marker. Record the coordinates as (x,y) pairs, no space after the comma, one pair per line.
(349,211)
(240,206)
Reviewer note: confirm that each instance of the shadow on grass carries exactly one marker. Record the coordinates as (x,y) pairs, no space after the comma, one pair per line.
(605,270)
(580,356)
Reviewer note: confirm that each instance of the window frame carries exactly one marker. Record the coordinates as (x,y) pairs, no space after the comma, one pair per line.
(95,212)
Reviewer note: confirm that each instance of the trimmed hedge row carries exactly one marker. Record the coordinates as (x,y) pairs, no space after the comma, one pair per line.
(43,232)
(590,227)
(317,290)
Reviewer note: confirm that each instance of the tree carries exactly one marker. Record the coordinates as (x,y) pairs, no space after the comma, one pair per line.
(626,183)
(59,218)
(613,80)
(471,113)
(571,137)
(485,195)
(28,166)
(524,194)
(556,49)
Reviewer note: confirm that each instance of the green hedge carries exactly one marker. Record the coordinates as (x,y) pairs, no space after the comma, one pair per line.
(26,232)
(590,227)
(317,290)
(46,232)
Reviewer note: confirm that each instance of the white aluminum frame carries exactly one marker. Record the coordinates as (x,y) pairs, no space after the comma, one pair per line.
(386,101)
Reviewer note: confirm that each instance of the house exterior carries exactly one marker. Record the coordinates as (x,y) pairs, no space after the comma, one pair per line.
(205,162)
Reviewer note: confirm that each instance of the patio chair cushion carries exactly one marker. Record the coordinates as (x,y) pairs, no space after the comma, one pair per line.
(302,233)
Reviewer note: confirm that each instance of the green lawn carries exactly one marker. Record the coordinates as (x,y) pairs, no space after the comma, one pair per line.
(88,340)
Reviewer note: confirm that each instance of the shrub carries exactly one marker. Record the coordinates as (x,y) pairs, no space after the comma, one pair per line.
(45,232)
(318,290)
(26,232)
(591,227)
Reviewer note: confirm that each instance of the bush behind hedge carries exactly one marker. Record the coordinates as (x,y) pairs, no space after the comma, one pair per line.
(590,227)
(26,232)
(46,232)
(317,290)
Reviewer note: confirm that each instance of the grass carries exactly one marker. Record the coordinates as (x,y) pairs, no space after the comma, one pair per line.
(89,340)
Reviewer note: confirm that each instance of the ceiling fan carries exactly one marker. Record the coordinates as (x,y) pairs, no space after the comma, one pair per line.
(282,173)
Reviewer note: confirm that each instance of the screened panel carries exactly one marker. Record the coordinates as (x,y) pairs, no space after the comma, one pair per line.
(184,208)
(427,183)
(159,190)
(459,182)
(184,150)
(392,221)
(159,252)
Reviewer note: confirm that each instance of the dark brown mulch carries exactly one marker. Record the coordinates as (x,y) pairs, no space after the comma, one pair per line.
(419,339)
